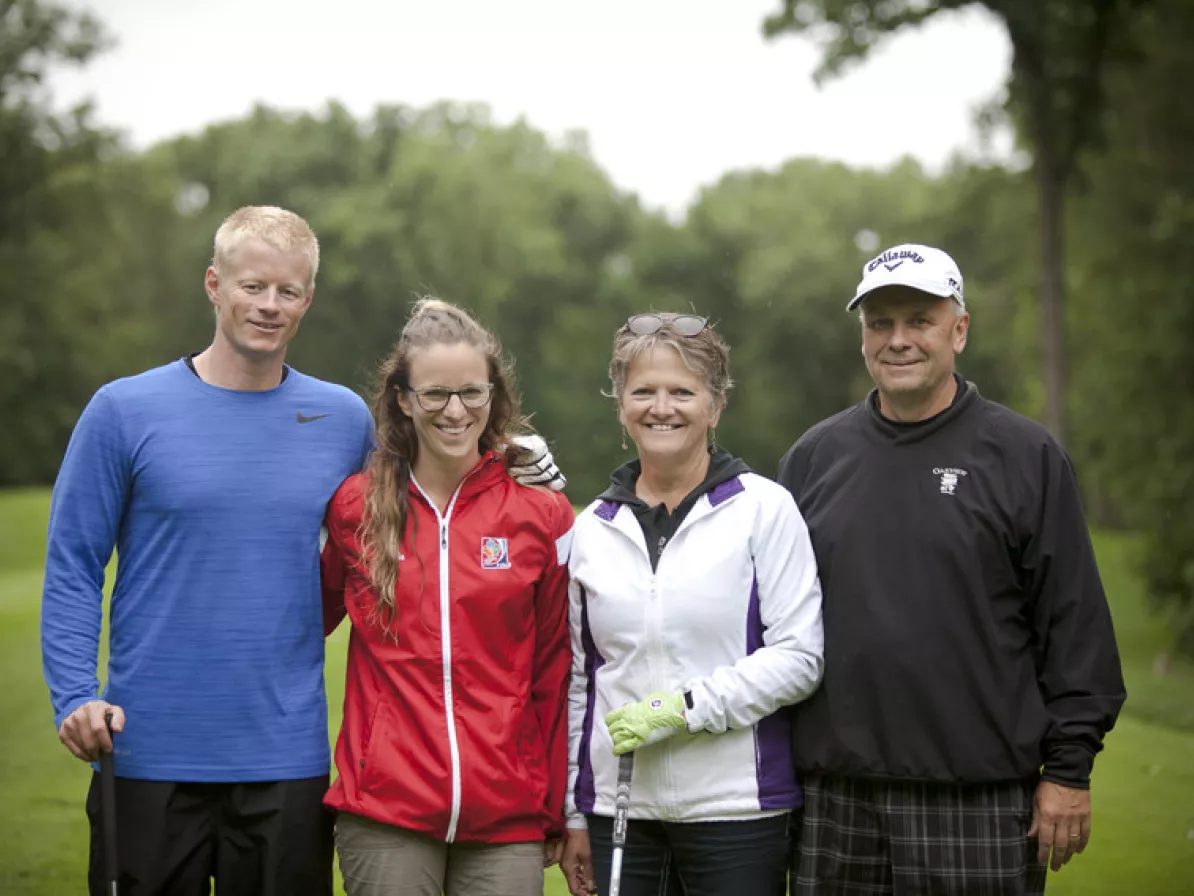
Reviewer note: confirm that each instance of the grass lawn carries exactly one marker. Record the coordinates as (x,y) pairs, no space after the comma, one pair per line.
(1143,841)
(1142,636)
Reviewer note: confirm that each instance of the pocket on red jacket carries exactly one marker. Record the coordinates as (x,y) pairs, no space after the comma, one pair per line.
(371,776)
(405,775)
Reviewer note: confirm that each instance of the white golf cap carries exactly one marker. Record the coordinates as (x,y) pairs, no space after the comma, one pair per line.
(911,264)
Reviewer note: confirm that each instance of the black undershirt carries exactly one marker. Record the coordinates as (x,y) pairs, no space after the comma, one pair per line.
(906,425)
(657,522)
(190,362)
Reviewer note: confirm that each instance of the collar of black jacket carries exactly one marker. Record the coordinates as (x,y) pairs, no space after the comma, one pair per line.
(723,466)
(904,433)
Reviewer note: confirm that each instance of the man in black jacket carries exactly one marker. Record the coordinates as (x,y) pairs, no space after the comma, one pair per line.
(971,666)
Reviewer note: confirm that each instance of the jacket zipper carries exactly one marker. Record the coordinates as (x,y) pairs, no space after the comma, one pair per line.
(446,643)
(656,654)
(657,664)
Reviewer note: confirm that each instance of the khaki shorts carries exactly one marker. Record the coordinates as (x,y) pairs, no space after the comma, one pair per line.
(378,859)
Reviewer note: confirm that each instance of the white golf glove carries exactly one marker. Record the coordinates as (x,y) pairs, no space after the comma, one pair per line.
(534,464)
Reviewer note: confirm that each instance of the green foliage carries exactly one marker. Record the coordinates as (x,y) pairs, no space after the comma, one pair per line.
(530,237)
(535,240)
(773,259)
(1133,234)
(847,30)
(104,251)
(68,207)
(528,234)
(1097,83)
(1059,51)
(978,213)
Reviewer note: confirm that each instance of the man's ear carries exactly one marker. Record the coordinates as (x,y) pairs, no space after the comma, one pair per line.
(961,332)
(211,283)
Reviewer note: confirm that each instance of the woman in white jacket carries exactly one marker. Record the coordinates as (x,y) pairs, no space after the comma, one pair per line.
(695,612)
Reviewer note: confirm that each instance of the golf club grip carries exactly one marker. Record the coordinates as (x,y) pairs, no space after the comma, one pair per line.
(108,810)
(621,811)
(622,798)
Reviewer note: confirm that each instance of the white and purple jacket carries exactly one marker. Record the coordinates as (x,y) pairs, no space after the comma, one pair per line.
(732,614)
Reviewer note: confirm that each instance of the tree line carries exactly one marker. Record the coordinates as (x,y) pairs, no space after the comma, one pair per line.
(103,250)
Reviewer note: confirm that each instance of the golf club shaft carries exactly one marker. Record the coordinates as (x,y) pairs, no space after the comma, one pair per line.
(615,872)
(621,812)
(108,808)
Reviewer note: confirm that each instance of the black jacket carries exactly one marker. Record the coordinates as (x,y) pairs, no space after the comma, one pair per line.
(967,635)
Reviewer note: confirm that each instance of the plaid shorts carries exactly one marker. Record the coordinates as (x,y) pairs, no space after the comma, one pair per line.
(904,838)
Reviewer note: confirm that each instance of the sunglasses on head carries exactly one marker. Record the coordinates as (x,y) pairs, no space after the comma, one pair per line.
(683,324)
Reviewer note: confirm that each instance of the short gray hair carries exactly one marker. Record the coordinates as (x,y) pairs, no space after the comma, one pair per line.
(705,354)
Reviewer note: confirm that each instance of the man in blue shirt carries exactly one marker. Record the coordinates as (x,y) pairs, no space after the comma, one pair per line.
(209,477)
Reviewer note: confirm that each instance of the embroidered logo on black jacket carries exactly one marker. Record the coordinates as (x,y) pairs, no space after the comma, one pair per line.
(950,477)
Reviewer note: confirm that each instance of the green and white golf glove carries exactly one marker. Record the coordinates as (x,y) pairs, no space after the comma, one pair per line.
(646,722)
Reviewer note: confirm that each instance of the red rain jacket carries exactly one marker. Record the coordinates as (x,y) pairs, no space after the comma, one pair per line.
(455,725)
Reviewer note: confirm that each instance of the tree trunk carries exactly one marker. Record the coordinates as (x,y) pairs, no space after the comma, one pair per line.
(1051,196)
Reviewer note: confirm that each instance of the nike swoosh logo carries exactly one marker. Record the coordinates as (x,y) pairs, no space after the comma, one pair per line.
(892,267)
(301,419)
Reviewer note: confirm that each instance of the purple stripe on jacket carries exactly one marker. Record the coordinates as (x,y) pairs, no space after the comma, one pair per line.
(774,771)
(607,510)
(585,787)
(725,490)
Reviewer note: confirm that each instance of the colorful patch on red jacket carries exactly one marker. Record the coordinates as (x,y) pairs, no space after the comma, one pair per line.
(495,553)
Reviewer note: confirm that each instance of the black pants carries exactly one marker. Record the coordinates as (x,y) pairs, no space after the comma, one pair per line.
(714,858)
(260,839)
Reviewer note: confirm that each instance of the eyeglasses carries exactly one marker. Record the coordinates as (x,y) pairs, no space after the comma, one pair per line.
(683,324)
(474,395)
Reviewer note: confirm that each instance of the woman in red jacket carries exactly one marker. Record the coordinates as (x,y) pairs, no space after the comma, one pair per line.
(452,756)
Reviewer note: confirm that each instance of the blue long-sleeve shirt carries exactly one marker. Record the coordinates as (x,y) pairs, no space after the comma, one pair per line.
(213,500)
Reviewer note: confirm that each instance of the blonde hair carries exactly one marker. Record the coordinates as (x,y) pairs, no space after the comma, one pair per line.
(387,501)
(706,354)
(282,229)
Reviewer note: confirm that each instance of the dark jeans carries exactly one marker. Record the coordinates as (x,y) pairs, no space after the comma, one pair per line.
(794,844)
(711,858)
(259,839)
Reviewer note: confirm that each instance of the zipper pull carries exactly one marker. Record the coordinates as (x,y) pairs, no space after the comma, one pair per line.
(443,536)
(662,542)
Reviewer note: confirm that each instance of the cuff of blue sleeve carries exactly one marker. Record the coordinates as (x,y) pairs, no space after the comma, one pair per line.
(70,707)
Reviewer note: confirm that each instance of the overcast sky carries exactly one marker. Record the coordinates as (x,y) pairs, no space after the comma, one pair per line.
(673,93)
